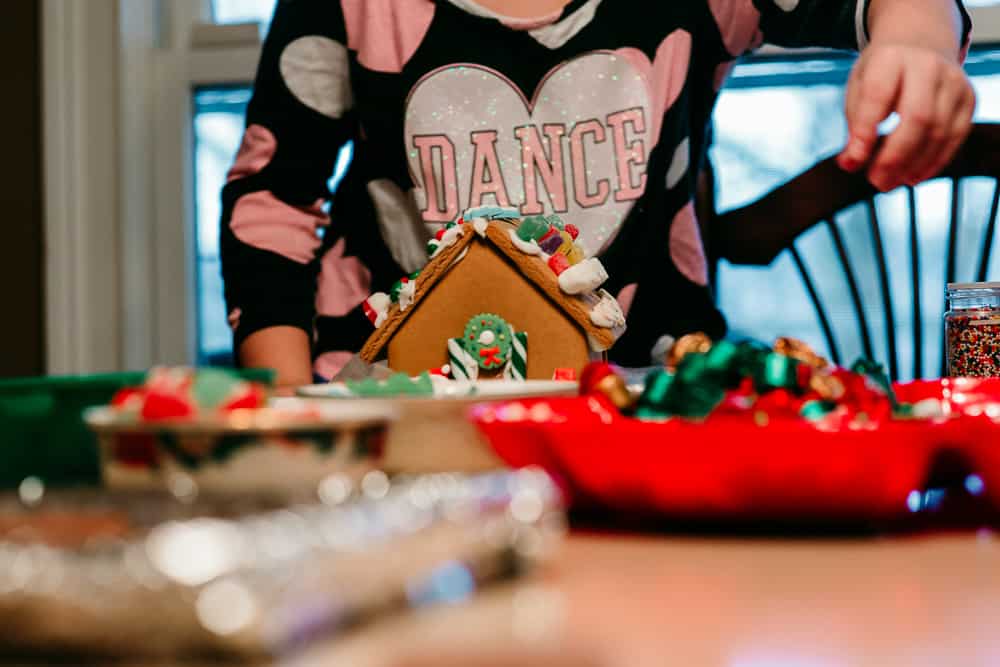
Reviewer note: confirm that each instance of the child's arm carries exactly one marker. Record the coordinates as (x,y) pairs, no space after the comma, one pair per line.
(912,66)
(298,118)
(285,349)
(911,54)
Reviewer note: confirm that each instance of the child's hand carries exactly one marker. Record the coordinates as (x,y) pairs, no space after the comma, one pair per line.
(934,99)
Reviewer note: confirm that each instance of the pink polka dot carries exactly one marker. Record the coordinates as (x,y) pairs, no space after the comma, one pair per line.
(262,220)
(627,296)
(386,33)
(739,23)
(666,75)
(256,152)
(686,249)
(344,282)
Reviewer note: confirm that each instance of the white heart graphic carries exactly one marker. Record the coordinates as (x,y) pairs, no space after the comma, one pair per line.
(598,108)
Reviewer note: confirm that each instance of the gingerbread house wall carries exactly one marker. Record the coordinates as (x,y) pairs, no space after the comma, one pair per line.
(485,281)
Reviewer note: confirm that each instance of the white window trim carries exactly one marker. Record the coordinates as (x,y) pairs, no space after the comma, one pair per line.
(81,236)
(986,25)
(119,221)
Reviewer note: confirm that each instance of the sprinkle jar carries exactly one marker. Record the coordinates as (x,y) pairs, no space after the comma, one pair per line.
(972,329)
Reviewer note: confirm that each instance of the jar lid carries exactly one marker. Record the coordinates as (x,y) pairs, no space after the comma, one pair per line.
(971,286)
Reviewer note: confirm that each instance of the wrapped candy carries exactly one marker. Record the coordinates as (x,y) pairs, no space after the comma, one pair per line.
(751,379)
(602,378)
(827,386)
(654,403)
(796,349)
(685,345)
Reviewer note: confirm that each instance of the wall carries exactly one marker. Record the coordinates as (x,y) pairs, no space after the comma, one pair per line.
(22,342)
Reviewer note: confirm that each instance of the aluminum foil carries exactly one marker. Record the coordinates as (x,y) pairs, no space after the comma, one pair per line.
(91,573)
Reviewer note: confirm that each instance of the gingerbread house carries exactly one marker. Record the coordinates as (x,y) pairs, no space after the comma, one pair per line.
(501,297)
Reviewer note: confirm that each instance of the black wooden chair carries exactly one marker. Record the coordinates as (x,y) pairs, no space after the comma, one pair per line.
(847,205)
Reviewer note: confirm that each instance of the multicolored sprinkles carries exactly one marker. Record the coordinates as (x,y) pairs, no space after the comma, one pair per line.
(973,344)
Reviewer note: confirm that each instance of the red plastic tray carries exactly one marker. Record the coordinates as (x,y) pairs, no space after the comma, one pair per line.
(731,467)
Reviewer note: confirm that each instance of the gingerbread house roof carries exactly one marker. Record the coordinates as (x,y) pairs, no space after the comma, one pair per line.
(596,312)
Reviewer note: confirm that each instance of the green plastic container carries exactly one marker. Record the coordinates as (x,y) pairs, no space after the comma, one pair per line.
(42,433)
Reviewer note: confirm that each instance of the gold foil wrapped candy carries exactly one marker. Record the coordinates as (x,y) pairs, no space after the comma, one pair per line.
(796,349)
(685,345)
(614,388)
(829,387)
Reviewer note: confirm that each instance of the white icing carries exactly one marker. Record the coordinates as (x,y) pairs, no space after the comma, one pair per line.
(606,312)
(527,247)
(406,294)
(586,276)
(380,302)
(487,337)
(595,345)
(461,256)
(481,225)
(449,238)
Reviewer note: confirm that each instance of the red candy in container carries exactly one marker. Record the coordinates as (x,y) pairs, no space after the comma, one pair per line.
(756,457)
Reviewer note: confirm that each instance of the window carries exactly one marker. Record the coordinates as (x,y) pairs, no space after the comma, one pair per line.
(241,11)
(756,149)
(218,129)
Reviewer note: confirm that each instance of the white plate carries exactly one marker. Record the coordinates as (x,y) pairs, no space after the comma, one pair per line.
(281,414)
(487,390)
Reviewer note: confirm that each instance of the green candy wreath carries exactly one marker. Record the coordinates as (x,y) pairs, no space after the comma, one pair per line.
(487,339)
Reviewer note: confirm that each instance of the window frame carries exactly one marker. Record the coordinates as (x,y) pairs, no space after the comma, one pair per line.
(119,171)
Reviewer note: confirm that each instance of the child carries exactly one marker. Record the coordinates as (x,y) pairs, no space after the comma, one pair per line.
(592,109)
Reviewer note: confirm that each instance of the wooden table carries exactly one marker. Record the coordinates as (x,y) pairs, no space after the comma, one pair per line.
(610,601)
(633,601)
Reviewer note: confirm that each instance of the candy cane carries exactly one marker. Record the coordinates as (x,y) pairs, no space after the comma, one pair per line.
(463,365)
